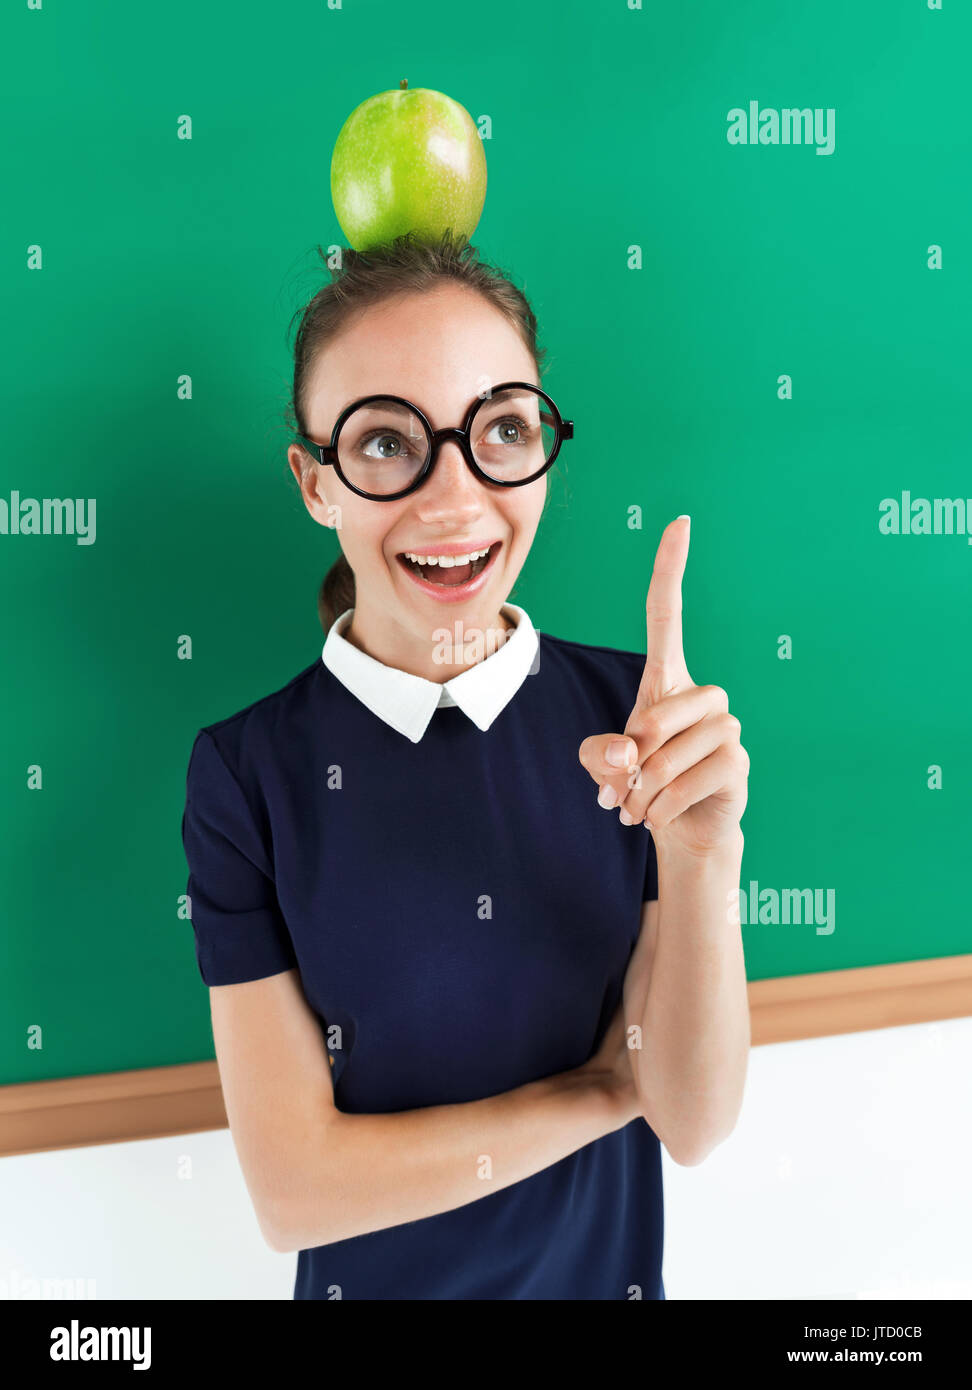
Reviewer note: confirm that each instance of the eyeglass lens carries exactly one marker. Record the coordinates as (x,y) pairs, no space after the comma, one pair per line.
(383,445)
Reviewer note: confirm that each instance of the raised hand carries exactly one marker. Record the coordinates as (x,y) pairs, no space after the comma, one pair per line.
(678,767)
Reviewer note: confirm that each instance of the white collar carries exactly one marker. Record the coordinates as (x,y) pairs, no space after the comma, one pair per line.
(407,702)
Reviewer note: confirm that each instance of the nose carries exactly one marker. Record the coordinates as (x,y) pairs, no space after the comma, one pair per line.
(451,500)
(451,480)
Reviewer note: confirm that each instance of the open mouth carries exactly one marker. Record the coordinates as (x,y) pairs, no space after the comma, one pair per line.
(450,576)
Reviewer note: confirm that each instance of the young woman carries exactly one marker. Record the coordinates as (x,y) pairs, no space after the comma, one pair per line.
(456,1007)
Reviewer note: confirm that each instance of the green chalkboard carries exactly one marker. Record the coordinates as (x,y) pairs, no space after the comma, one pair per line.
(769,335)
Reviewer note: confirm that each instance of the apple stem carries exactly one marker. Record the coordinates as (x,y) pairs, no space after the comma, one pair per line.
(404,83)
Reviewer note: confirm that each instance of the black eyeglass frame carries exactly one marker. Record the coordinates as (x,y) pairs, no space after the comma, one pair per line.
(327,454)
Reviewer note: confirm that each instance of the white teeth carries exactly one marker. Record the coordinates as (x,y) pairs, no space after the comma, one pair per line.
(445,561)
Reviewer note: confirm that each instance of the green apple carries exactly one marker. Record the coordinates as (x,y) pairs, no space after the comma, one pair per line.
(407,161)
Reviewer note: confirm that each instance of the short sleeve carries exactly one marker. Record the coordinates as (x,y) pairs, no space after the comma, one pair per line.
(651,870)
(239,928)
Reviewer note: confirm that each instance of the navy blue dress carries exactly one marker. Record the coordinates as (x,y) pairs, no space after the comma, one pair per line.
(465,911)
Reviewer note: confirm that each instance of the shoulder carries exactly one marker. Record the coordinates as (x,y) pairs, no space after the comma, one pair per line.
(247,737)
(597,664)
(602,681)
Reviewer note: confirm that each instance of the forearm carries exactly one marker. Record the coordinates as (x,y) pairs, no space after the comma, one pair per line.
(373,1171)
(691,1068)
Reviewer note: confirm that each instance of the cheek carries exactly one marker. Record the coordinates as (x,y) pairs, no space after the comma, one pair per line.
(373,532)
(525,518)
(362,536)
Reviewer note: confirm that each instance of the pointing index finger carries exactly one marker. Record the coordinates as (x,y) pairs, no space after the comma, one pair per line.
(663,607)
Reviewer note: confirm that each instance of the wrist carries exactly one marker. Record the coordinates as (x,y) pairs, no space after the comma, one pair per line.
(719,858)
(614,1097)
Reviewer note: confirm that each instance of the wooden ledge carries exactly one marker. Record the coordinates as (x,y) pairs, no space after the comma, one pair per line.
(854,1001)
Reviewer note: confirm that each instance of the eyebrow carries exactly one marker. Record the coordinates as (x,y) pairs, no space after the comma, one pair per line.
(389,406)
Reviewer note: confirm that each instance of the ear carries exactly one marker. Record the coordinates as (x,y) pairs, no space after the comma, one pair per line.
(308,476)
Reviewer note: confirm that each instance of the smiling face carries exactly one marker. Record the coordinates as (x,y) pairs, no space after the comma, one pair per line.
(439,349)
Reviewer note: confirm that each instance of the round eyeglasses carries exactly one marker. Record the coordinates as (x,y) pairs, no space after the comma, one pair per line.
(383,447)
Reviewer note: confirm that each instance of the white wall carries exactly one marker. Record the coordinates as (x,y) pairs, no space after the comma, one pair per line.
(846,1177)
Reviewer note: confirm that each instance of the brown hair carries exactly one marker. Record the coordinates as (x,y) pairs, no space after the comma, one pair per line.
(407,264)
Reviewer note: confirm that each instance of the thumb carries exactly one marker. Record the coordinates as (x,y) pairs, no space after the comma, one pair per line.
(612,760)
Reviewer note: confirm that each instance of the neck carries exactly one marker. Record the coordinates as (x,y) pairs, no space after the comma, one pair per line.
(438,652)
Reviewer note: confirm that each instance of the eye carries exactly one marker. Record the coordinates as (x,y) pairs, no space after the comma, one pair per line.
(512,430)
(390,444)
